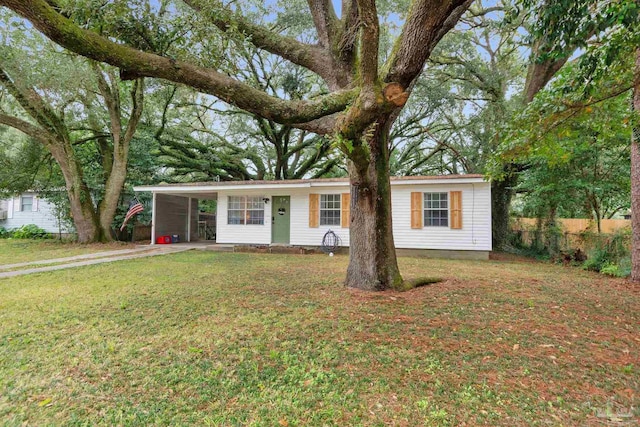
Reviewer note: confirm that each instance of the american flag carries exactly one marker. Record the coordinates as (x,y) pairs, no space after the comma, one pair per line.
(135,207)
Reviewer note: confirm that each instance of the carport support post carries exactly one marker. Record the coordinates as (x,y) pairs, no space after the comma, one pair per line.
(153,219)
(189,221)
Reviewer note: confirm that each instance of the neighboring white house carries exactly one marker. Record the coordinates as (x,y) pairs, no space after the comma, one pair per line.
(444,213)
(29,208)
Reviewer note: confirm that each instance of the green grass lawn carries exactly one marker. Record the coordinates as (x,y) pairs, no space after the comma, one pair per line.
(204,338)
(14,251)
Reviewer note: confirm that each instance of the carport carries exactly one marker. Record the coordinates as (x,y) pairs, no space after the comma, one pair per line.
(175,212)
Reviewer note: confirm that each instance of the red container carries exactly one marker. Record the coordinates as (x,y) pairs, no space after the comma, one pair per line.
(163,240)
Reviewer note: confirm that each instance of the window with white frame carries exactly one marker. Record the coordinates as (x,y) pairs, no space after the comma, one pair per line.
(26,203)
(436,209)
(330,209)
(245,210)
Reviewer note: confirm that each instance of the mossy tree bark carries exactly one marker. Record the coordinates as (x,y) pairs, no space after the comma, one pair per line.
(372,262)
(83,211)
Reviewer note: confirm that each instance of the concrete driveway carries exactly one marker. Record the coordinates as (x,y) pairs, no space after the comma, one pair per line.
(9,270)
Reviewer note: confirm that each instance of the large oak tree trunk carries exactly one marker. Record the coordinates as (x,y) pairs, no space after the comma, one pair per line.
(112,191)
(635,179)
(116,166)
(85,218)
(372,263)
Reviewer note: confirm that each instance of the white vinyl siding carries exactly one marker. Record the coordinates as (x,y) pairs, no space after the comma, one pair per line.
(436,209)
(476,211)
(41,213)
(330,209)
(301,233)
(256,234)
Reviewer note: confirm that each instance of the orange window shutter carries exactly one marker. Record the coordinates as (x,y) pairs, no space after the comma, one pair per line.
(455,198)
(416,210)
(314,210)
(345,204)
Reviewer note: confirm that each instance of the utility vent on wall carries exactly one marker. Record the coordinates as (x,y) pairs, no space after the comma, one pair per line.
(3,215)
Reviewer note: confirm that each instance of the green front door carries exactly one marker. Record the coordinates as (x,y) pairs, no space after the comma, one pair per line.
(280,219)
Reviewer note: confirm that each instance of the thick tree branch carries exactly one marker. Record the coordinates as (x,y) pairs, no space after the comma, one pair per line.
(137,103)
(349,30)
(27,128)
(112,103)
(313,58)
(90,138)
(325,21)
(304,143)
(321,126)
(310,163)
(137,63)
(34,105)
(427,22)
(539,74)
(475,12)
(369,39)
(165,110)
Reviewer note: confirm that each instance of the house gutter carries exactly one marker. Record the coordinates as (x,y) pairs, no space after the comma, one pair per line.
(195,189)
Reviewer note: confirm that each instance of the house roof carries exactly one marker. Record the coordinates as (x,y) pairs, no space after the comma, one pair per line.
(213,186)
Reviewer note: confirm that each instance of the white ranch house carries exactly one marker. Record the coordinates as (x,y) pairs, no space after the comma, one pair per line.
(446,215)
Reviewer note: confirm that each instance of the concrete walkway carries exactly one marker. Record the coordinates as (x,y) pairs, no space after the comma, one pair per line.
(90,259)
(94,255)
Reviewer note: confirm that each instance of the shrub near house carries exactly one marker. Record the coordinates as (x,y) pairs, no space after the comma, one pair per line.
(29,231)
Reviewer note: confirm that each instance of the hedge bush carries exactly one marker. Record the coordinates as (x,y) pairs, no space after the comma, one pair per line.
(29,231)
